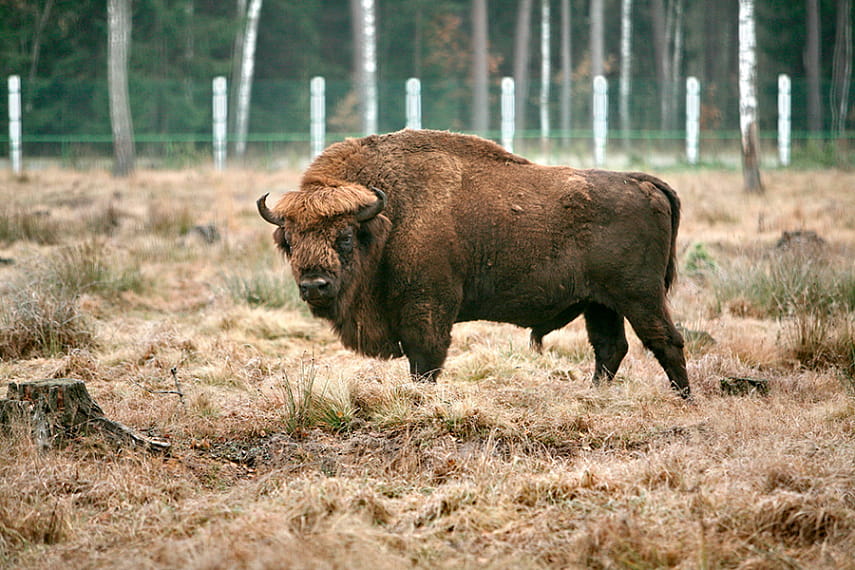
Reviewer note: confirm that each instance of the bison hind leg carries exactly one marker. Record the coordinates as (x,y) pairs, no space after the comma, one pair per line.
(607,335)
(562,319)
(535,341)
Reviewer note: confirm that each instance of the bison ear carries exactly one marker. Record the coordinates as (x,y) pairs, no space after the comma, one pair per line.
(371,210)
(280,238)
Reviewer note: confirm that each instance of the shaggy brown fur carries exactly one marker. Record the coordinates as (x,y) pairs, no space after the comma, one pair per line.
(470,231)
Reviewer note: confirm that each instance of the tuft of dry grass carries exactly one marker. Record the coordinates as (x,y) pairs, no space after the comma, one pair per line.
(35,226)
(292,451)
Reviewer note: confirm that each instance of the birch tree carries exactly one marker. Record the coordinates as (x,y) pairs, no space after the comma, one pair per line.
(118,46)
(545,70)
(247,69)
(480,70)
(566,67)
(521,57)
(625,67)
(841,69)
(748,98)
(365,61)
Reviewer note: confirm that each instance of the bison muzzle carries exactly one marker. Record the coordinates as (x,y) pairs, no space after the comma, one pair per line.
(463,230)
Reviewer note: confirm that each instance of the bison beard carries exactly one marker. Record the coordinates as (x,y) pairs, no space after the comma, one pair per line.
(463,230)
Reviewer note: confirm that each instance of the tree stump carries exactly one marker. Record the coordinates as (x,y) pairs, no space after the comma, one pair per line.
(61,408)
(735,386)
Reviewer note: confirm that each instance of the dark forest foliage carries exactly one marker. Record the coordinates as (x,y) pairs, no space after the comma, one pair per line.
(179,46)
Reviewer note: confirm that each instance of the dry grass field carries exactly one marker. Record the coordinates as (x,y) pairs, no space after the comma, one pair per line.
(288,451)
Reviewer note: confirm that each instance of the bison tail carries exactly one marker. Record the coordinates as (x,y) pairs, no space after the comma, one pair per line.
(674,200)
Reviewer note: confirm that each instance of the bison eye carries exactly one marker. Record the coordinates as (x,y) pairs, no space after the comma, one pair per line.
(344,243)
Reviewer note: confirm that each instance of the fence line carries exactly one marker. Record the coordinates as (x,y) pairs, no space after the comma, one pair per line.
(413,117)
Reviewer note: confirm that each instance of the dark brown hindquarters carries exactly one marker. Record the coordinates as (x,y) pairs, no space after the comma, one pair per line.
(651,321)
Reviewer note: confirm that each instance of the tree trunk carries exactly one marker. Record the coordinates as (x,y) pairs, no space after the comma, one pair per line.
(841,73)
(661,46)
(237,61)
(748,99)
(521,53)
(812,67)
(480,71)
(189,49)
(363,16)
(42,20)
(566,68)
(118,46)
(676,63)
(62,408)
(247,67)
(545,73)
(597,40)
(625,68)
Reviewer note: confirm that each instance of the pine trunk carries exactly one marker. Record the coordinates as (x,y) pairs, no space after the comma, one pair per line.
(597,40)
(480,70)
(521,53)
(812,67)
(566,68)
(841,69)
(661,48)
(237,61)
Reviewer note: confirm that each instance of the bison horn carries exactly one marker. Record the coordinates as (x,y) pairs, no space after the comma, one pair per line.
(267,214)
(367,212)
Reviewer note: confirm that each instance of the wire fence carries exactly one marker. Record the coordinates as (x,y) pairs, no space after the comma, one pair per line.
(172,120)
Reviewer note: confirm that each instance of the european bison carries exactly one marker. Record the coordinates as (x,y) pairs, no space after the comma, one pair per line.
(394,238)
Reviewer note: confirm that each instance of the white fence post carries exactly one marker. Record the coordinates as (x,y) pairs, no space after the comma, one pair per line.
(220,115)
(601,119)
(784,119)
(693,116)
(508,113)
(318,111)
(15,123)
(414,103)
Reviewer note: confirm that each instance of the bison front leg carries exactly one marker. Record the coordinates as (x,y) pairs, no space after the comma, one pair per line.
(657,332)
(425,338)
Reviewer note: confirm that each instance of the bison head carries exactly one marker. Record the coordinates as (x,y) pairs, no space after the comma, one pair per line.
(332,237)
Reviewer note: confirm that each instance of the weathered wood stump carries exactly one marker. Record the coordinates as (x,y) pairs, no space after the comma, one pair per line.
(61,408)
(735,386)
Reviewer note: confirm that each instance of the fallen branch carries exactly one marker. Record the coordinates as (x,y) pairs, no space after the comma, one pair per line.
(178,391)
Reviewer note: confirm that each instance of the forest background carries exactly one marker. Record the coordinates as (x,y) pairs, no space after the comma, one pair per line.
(59,48)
